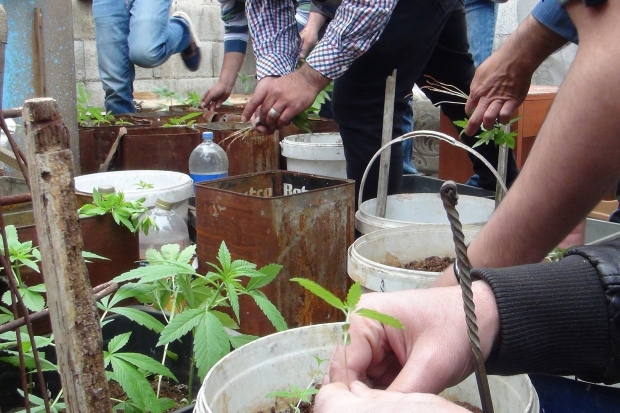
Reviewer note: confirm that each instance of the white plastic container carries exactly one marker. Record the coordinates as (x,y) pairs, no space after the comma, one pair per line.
(174,187)
(239,382)
(422,210)
(171,229)
(373,258)
(315,153)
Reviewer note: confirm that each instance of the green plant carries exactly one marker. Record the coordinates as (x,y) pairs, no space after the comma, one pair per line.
(349,308)
(302,120)
(496,135)
(295,395)
(23,254)
(167,94)
(193,99)
(144,185)
(88,114)
(132,214)
(130,371)
(195,301)
(556,254)
(185,120)
(244,80)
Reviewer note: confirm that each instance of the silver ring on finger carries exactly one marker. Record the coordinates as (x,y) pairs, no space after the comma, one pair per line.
(274,113)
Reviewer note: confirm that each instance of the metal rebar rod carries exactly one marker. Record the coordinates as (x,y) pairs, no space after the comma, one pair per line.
(15,199)
(12,113)
(449,197)
(99,291)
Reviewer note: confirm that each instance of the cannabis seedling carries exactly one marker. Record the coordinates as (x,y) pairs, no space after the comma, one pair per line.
(496,135)
(193,99)
(349,308)
(185,120)
(295,395)
(166,94)
(132,214)
(169,276)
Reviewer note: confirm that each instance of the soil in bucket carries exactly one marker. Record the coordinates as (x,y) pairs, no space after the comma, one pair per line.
(432,263)
(305,407)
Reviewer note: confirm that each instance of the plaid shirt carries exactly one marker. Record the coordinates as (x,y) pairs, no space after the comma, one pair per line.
(356,26)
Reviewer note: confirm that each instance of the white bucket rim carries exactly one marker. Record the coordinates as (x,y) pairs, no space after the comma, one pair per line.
(366,222)
(184,184)
(292,140)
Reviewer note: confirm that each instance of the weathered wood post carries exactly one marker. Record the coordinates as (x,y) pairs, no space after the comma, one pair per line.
(69,294)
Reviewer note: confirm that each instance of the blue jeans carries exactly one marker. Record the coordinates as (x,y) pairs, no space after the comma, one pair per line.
(132,32)
(481,16)
(408,166)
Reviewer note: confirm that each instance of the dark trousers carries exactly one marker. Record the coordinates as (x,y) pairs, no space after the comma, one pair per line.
(423,37)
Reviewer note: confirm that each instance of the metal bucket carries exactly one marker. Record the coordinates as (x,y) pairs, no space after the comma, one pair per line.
(239,382)
(375,259)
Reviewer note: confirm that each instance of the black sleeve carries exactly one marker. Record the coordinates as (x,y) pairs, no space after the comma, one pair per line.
(560,318)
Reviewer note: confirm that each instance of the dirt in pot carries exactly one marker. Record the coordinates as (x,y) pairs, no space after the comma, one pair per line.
(433,264)
(309,407)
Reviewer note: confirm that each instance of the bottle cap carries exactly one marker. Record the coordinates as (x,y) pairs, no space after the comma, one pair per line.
(106,189)
(163,204)
(207,135)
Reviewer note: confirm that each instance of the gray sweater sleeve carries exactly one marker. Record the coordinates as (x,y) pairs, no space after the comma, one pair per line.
(560,318)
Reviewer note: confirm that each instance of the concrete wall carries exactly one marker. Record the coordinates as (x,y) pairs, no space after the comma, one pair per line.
(205,15)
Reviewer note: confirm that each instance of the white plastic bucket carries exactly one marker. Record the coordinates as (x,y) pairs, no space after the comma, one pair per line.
(315,153)
(372,257)
(422,210)
(174,187)
(239,382)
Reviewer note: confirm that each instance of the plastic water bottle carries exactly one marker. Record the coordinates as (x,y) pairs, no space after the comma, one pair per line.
(208,161)
(172,229)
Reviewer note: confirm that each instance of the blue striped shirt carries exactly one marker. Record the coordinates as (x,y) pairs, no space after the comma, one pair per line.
(355,27)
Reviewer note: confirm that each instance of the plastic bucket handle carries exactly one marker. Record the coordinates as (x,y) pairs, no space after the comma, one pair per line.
(430,134)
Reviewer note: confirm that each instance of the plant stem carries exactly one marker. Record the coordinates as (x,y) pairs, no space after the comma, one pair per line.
(191,380)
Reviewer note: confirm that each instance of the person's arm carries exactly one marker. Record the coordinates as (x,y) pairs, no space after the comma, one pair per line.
(356,26)
(236,35)
(216,95)
(552,318)
(501,83)
(274,35)
(310,33)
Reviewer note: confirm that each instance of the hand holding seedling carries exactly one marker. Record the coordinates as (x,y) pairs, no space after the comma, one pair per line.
(426,356)
(287,96)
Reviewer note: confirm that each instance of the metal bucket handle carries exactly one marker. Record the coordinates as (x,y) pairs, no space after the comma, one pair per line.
(430,134)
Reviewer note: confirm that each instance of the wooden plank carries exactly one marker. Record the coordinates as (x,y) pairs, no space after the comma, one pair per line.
(69,293)
(386,136)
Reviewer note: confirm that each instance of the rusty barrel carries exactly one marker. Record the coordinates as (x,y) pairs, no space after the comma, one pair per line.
(303,222)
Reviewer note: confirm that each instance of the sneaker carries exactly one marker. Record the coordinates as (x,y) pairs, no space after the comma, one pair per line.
(191,54)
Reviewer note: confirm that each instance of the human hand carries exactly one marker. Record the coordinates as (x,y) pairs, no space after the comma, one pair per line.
(497,90)
(430,354)
(215,96)
(277,100)
(337,398)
